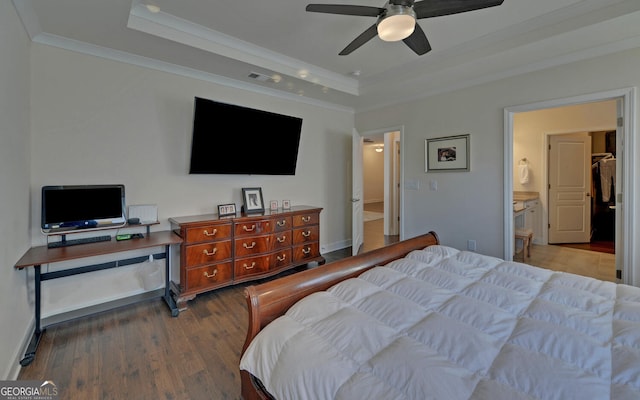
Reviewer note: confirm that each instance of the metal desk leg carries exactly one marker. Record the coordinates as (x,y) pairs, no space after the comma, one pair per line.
(167,290)
(30,354)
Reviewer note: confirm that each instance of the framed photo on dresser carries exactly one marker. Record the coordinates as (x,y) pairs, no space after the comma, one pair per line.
(252,198)
(224,210)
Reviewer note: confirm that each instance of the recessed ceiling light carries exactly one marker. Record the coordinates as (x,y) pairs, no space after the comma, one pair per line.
(153,8)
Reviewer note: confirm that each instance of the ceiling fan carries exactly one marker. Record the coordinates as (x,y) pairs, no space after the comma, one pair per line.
(397,19)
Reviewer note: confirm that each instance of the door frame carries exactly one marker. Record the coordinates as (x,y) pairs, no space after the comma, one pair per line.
(388,171)
(624,258)
(357,200)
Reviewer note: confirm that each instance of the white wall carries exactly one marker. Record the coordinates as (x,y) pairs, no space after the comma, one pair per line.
(530,128)
(469,205)
(373,174)
(16,312)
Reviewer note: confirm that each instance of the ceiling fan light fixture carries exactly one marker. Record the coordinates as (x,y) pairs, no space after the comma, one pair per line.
(398,23)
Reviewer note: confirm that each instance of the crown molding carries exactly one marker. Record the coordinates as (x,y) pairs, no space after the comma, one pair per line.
(128,58)
(172,28)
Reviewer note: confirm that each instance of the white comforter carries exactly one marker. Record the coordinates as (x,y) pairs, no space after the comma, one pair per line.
(445,324)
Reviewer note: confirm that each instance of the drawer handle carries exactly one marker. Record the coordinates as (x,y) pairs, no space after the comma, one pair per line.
(307,250)
(246,246)
(253,227)
(306,234)
(207,253)
(282,258)
(213,233)
(253,264)
(306,219)
(281,239)
(215,272)
(282,223)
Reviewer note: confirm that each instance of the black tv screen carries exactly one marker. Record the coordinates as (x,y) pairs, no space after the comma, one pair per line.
(231,139)
(72,207)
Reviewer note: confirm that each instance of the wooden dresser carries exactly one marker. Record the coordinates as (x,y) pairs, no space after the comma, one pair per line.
(222,251)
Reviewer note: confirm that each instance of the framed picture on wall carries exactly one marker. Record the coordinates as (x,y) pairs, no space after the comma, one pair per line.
(252,198)
(447,153)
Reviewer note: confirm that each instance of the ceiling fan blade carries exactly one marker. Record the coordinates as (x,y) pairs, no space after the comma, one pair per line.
(406,3)
(418,41)
(437,8)
(360,40)
(345,9)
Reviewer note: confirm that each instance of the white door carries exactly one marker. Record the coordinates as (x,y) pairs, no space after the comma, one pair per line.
(357,211)
(570,188)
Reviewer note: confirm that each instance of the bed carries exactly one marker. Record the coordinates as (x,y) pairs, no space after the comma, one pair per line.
(418,320)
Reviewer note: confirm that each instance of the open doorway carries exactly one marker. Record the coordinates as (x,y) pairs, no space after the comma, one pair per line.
(381,188)
(528,140)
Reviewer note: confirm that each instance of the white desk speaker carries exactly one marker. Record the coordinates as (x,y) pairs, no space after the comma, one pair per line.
(146,213)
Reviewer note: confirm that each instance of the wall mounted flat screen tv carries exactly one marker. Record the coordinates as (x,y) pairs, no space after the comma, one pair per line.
(231,139)
(74,207)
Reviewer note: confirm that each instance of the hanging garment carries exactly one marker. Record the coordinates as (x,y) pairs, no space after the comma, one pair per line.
(607,178)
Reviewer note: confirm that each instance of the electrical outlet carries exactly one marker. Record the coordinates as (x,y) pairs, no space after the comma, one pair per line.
(471,245)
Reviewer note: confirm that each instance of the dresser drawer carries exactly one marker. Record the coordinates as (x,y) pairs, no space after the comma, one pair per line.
(208,233)
(306,234)
(207,253)
(280,259)
(208,276)
(305,251)
(251,266)
(281,240)
(252,245)
(282,224)
(256,227)
(306,219)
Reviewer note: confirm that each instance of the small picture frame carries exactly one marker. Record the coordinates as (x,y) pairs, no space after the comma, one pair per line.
(225,210)
(252,198)
(286,204)
(274,205)
(447,153)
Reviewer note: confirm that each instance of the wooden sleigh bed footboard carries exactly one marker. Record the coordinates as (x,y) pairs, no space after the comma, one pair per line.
(269,300)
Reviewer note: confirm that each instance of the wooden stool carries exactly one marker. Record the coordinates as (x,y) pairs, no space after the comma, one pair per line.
(526,235)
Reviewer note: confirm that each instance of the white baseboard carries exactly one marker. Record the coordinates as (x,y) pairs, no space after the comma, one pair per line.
(14,369)
(328,248)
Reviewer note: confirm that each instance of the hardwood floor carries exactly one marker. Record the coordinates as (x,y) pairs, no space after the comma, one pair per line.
(374,236)
(603,246)
(141,352)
